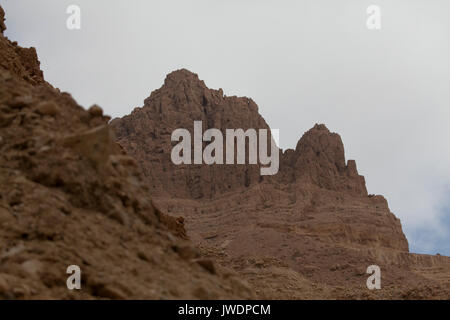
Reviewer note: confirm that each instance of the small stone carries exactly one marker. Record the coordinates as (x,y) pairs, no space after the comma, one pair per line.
(207,264)
(120,215)
(21,102)
(48,108)
(5,216)
(186,252)
(6,119)
(201,293)
(13,251)
(96,144)
(4,287)
(110,292)
(32,267)
(95,111)
(22,291)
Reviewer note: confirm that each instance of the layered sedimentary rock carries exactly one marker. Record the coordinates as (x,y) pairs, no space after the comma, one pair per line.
(319,160)
(312,175)
(312,226)
(69,195)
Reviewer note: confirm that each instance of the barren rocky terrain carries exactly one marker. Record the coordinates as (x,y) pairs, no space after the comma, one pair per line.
(79,189)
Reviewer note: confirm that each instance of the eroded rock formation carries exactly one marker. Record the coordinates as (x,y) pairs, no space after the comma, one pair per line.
(312,226)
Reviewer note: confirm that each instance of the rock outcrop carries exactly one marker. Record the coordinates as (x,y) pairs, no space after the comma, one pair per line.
(319,159)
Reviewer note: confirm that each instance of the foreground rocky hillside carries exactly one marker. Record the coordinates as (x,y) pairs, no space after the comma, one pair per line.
(310,231)
(69,195)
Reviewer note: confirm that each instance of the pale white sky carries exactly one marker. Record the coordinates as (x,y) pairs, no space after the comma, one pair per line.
(385,92)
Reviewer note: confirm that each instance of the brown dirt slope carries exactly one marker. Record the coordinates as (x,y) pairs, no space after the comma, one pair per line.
(70,195)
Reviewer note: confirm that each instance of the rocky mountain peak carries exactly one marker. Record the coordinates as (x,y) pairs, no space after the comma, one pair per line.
(321,147)
(183,76)
(183,90)
(22,62)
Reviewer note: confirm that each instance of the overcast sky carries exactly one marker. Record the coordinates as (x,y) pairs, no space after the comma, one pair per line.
(386,92)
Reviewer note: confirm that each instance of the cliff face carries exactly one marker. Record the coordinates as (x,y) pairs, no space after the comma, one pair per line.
(69,195)
(319,159)
(313,175)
